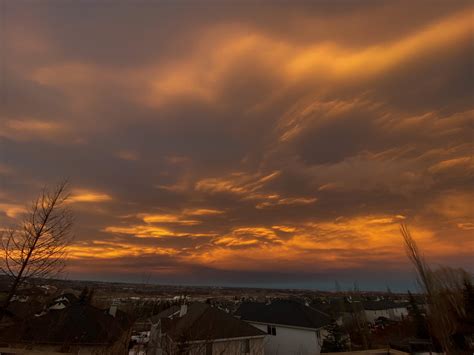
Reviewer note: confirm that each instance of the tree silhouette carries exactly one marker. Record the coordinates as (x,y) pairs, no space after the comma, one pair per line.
(419,319)
(36,248)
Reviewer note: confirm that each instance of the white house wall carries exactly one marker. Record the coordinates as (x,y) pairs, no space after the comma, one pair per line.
(399,313)
(372,315)
(393,313)
(290,341)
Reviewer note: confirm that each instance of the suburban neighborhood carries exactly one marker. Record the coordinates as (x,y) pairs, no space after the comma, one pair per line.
(73,318)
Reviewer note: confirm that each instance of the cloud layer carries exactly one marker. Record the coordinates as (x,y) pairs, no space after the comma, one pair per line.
(268,144)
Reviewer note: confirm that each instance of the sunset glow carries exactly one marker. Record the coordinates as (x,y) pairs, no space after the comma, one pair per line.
(269,144)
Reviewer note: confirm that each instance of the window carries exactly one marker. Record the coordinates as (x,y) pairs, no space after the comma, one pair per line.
(271,330)
(209,349)
(246,346)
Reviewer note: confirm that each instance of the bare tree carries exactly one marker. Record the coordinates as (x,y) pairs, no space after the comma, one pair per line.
(443,290)
(36,247)
(423,271)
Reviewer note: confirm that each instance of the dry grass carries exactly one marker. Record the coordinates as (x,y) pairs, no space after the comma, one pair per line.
(443,290)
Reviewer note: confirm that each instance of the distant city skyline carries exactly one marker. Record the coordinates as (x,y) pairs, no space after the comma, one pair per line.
(244,143)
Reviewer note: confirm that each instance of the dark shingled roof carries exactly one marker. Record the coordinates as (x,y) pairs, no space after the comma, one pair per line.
(203,322)
(283,312)
(168,312)
(21,310)
(76,324)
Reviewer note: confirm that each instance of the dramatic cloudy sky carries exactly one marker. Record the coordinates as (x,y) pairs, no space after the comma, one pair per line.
(244,143)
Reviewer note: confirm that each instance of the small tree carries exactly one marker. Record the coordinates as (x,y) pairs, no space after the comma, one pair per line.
(86,296)
(36,248)
(336,339)
(419,319)
(466,320)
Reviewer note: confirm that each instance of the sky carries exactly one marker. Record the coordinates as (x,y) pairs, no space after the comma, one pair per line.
(244,143)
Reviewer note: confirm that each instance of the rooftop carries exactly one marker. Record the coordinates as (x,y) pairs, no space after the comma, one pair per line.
(75,324)
(203,322)
(283,312)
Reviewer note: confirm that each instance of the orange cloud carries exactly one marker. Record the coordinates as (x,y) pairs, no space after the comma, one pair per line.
(111,250)
(181,217)
(343,243)
(79,195)
(329,186)
(287,201)
(148,231)
(168,218)
(238,183)
(202,212)
(141,231)
(220,48)
(339,244)
(330,59)
(248,187)
(232,241)
(455,205)
(214,55)
(317,111)
(461,162)
(285,229)
(255,231)
(12,210)
(466,226)
(30,129)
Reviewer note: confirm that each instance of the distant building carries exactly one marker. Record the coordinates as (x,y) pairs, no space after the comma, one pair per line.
(199,329)
(386,309)
(69,328)
(292,327)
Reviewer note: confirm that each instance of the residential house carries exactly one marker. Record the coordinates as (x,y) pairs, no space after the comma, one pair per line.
(154,344)
(76,328)
(292,327)
(200,329)
(386,309)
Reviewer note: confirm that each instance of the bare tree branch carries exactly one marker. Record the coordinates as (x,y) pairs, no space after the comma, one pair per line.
(37,247)
(442,288)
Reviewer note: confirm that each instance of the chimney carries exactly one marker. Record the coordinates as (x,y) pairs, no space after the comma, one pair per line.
(183,310)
